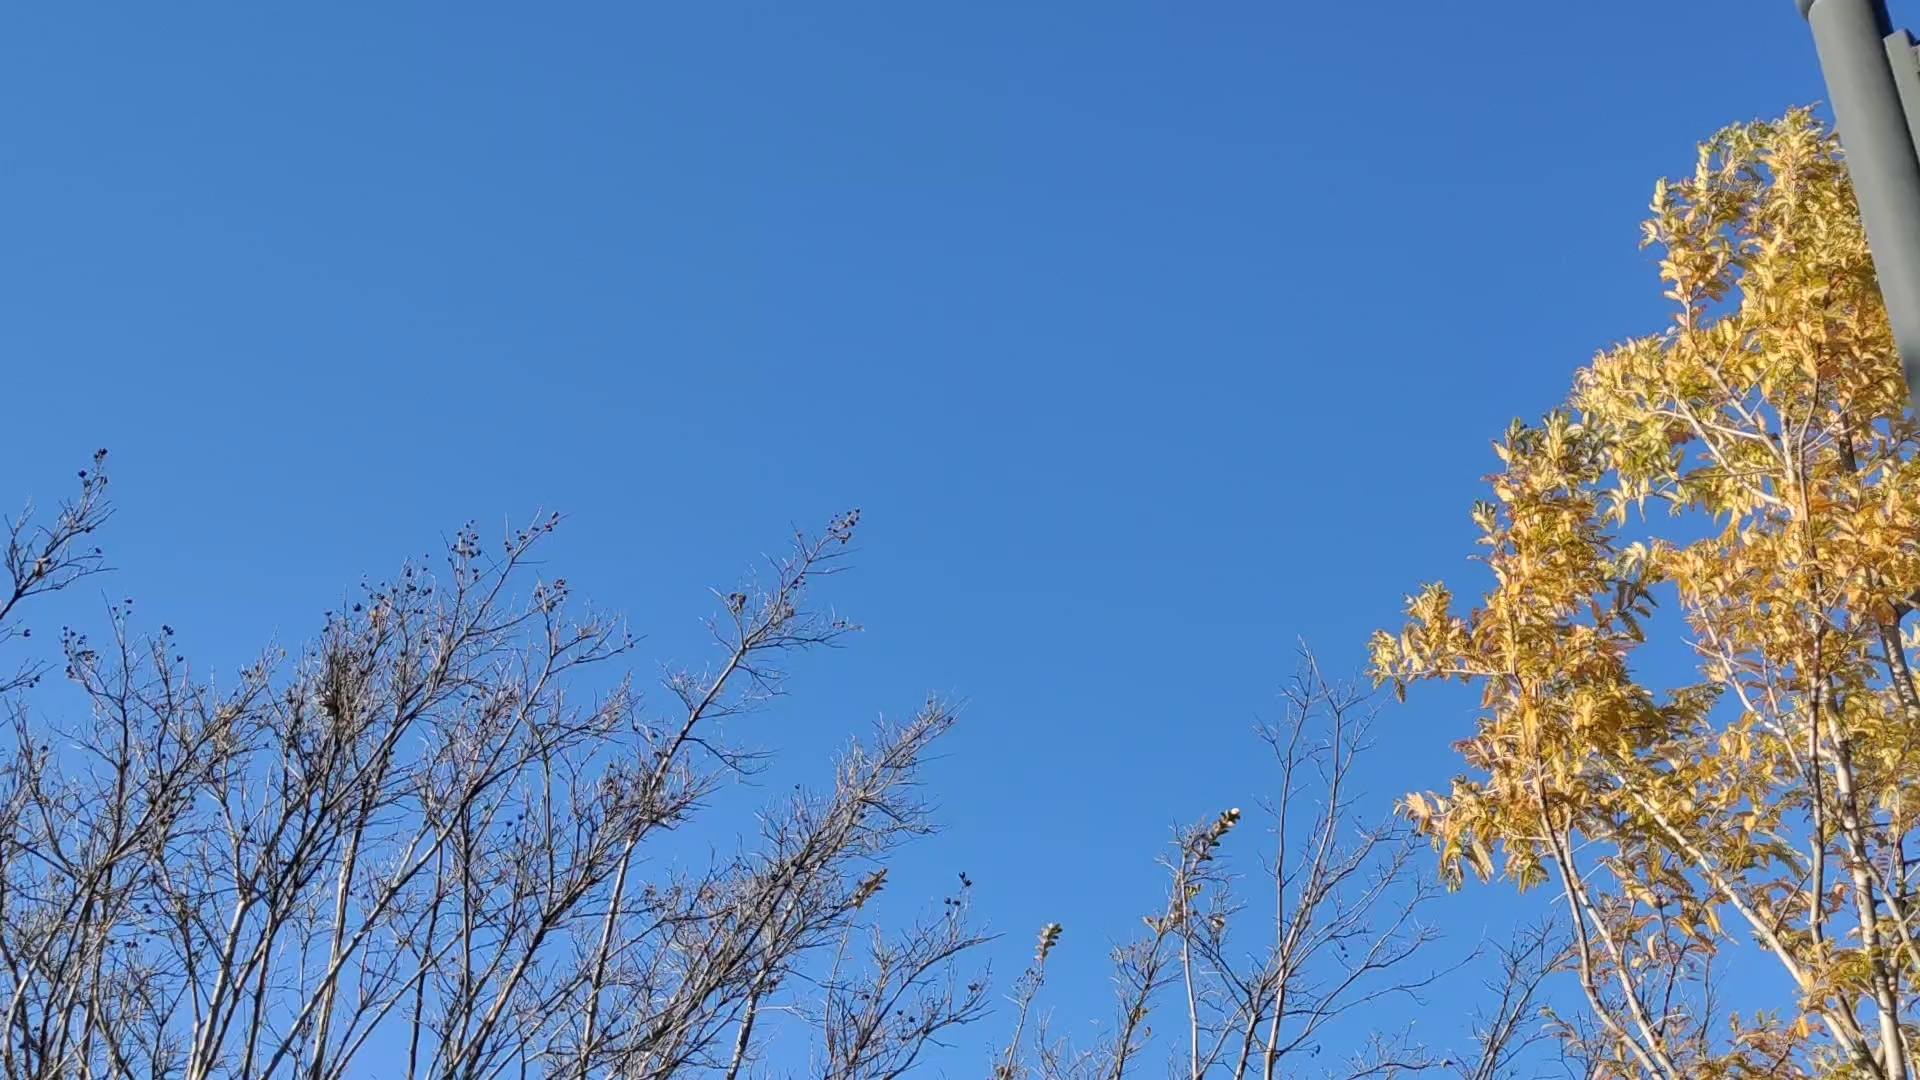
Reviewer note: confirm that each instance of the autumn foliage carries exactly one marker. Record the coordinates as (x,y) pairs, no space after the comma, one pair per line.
(1752,470)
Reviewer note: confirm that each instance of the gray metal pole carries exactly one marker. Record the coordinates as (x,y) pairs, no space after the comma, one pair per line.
(1857,57)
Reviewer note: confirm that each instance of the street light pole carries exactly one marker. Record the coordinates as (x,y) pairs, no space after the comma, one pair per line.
(1873,83)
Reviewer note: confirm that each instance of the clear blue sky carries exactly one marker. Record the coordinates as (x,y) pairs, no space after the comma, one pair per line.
(1151,338)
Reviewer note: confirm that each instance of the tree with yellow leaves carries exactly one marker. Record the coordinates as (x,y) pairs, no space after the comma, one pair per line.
(1774,796)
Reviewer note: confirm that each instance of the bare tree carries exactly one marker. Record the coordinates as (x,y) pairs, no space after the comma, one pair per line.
(1249,991)
(44,558)
(1518,1019)
(425,842)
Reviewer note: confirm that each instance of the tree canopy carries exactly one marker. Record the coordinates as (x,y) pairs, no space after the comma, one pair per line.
(1773,794)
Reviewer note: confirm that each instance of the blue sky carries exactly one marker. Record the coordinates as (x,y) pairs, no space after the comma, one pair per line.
(1151,339)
